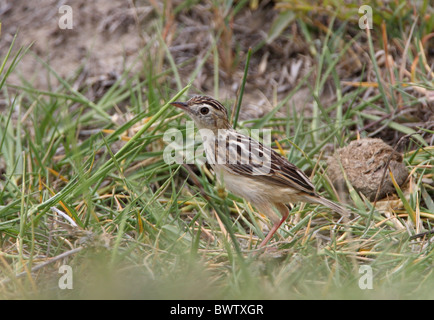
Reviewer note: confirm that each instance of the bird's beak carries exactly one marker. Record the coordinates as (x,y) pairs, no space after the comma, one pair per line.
(180,105)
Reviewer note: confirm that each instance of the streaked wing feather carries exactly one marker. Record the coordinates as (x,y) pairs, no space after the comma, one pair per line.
(264,164)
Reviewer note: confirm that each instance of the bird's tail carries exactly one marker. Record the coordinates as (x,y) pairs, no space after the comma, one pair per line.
(335,207)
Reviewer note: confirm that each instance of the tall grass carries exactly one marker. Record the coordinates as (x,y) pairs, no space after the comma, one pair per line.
(82,189)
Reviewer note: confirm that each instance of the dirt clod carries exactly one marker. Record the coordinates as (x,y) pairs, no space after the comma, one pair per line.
(364,162)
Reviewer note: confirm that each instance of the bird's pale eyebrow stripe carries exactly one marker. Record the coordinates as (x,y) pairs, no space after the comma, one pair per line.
(215,104)
(212,102)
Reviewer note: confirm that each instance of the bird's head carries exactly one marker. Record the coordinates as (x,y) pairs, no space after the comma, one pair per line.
(206,112)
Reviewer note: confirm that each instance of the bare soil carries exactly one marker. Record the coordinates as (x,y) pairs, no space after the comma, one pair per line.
(107,37)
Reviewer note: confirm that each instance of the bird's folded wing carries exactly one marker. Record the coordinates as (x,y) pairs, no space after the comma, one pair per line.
(250,158)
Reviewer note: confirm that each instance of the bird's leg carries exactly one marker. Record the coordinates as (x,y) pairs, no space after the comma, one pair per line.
(285,213)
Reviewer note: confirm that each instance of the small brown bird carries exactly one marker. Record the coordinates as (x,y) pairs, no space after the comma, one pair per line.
(248,168)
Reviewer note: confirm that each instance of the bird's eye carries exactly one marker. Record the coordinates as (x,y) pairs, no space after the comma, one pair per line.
(204,110)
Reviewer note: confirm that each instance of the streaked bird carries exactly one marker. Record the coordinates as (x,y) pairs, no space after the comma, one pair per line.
(248,168)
